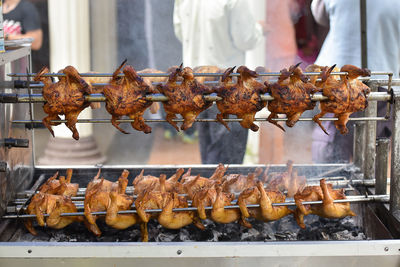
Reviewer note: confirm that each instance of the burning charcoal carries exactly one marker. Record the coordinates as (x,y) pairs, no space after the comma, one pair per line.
(215,236)
(184,235)
(251,235)
(165,237)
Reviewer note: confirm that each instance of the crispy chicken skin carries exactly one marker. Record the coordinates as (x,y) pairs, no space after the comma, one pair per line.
(60,186)
(65,97)
(241,99)
(125,96)
(142,182)
(97,197)
(218,213)
(193,184)
(345,96)
(266,212)
(185,99)
(327,209)
(236,183)
(291,96)
(54,205)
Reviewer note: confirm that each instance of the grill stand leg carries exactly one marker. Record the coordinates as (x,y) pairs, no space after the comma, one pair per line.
(370,137)
(359,141)
(381,167)
(395,161)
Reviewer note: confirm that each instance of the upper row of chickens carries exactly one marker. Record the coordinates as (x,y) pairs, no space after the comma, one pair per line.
(126,95)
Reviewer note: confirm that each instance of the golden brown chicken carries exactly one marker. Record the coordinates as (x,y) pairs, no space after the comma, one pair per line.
(167,201)
(241,99)
(97,197)
(142,182)
(126,96)
(62,186)
(54,205)
(345,96)
(327,209)
(288,181)
(218,213)
(192,184)
(65,97)
(185,99)
(204,197)
(236,183)
(291,96)
(266,212)
(119,202)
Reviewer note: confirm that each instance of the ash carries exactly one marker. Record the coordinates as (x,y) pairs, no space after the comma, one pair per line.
(284,229)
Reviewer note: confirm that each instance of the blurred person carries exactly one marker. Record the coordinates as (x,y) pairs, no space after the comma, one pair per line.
(21,20)
(217,33)
(343,46)
(281,51)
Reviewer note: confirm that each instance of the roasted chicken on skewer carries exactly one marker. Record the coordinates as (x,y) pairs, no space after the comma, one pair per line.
(345,96)
(266,212)
(65,97)
(236,183)
(219,213)
(327,209)
(54,205)
(291,96)
(60,186)
(185,99)
(125,96)
(192,184)
(241,99)
(142,182)
(97,198)
(285,181)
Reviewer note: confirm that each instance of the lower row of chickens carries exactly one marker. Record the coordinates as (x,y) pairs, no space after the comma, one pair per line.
(210,197)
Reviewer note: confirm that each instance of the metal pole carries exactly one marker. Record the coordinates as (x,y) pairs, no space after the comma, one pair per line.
(382,157)
(370,138)
(359,141)
(395,160)
(363,24)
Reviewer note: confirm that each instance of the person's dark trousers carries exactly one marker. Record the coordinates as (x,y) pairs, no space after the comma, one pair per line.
(217,144)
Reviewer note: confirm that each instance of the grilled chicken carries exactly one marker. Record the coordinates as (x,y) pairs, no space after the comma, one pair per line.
(285,181)
(192,184)
(126,96)
(119,202)
(62,186)
(236,183)
(291,96)
(54,205)
(266,212)
(149,81)
(218,213)
(327,209)
(142,182)
(185,99)
(97,197)
(66,97)
(241,99)
(345,96)
(204,197)
(160,199)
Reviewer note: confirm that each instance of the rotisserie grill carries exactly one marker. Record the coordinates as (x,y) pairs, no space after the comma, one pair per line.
(369,238)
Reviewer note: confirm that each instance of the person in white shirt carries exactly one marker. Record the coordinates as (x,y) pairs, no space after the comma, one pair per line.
(218,33)
(343,46)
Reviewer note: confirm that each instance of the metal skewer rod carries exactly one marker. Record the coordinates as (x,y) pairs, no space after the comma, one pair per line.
(198,120)
(38,98)
(355,199)
(271,74)
(335,181)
